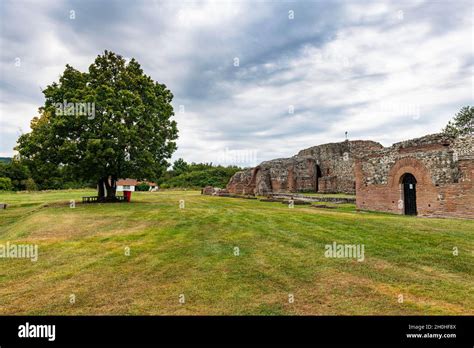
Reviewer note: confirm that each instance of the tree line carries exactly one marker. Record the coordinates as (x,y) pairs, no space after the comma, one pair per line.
(16,176)
(197,175)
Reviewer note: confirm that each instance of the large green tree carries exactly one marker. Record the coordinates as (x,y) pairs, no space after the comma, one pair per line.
(462,123)
(124,129)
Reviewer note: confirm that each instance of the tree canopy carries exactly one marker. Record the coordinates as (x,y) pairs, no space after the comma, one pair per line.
(462,123)
(197,175)
(180,166)
(108,123)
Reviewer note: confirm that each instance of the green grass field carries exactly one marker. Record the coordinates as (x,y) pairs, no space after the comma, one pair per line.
(191,251)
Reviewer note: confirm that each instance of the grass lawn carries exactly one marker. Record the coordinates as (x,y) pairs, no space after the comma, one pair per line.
(190,251)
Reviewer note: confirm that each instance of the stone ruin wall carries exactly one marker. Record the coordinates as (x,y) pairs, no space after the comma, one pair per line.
(434,151)
(240,183)
(442,166)
(327,168)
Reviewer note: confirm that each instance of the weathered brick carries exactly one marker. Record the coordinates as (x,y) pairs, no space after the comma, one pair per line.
(443,168)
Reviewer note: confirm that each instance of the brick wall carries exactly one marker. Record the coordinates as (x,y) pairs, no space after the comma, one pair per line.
(443,168)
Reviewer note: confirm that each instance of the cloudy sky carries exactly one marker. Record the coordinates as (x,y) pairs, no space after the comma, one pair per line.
(254,80)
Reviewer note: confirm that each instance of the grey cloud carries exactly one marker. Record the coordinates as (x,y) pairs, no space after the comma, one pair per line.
(245,107)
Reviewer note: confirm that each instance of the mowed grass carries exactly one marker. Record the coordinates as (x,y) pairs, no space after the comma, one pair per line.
(191,252)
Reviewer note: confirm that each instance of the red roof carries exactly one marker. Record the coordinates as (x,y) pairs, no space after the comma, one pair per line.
(130,182)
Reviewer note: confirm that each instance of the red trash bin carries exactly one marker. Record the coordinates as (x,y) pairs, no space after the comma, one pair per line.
(127,195)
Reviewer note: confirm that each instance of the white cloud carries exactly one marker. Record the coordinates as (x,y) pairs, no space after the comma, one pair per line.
(380,70)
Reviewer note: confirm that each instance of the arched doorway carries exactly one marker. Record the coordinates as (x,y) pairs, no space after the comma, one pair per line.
(409,193)
(261,181)
(317,176)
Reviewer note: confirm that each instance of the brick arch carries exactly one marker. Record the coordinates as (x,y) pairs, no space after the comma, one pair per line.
(412,166)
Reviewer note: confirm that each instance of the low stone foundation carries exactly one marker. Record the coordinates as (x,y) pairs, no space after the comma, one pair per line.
(214,191)
(316,198)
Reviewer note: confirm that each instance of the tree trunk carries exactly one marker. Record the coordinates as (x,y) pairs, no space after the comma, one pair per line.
(111,186)
(107,189)
(101,190)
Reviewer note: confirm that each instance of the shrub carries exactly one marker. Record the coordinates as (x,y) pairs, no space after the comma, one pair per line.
(30,185)
(216,177)
(196,175)
(17,172)
(142,187)
(6,184)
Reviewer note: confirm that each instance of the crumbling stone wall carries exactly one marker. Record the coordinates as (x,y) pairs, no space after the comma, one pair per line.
(443,168)
(327,168)
(240,183)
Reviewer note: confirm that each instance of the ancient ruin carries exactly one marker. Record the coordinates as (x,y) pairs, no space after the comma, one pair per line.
(327,168)
(430,176)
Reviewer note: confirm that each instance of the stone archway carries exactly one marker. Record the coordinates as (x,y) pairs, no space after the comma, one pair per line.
(261,181)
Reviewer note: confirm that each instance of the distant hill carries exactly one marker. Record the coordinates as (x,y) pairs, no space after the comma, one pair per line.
(5,159)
